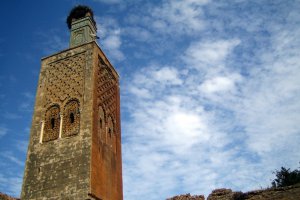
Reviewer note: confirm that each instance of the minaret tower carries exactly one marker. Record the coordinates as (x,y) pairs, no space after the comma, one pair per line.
(74,151)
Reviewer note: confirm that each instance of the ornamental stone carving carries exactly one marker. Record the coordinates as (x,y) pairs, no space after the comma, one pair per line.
(71,119)
(64,79)
(52,123)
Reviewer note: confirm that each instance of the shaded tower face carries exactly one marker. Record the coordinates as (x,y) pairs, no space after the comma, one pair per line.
(75,141)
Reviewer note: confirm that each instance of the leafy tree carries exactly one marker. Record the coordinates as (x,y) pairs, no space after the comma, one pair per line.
(286,177)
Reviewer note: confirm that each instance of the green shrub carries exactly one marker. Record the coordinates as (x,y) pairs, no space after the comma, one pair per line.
(286,177)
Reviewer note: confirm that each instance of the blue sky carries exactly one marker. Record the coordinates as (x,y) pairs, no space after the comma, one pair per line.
(209,89)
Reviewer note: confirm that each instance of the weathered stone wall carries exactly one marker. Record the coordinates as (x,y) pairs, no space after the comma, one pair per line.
(59,167)
(75,150)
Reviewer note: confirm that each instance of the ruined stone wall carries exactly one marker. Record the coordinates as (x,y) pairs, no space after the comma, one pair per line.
(223,194)
(58,158)
(187,197)
(284,193)
(6,197)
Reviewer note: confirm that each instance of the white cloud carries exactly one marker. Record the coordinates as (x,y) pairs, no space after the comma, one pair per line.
(209,56)
(184,130)
(195,128)
(139,92)
(213,79)
(138,33)
(219,84)
(110,37)
(271,106)
(166,74)
(9,155)
(179,17)
(113,41)
(153,80)
(11,184)
(175,133)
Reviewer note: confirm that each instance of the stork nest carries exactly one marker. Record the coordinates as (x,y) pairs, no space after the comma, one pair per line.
(78,12)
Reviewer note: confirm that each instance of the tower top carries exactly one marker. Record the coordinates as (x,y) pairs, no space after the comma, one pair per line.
(82,25)
(78,12)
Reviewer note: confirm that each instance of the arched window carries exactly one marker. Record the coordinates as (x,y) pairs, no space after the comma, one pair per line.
(111,134)
(52,123)
(71,119)
(101,125)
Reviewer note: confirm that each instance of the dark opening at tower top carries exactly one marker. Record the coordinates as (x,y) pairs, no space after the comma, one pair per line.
(78,12)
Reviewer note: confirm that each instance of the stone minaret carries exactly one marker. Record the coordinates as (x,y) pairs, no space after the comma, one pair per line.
(75,140)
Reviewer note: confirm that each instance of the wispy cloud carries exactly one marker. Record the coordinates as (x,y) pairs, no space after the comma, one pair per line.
(209,56)
(271,98)
(27,103)
(11,184)
(9,115)
(9,156)
(178,17)
(219,84)
(176,133)
(22,145)
(3,130)
(222,109)
(110,34)
(52,41)
(109,1)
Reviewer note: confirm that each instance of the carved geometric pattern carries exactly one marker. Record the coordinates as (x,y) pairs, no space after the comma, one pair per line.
(71,119)
(64,79)
(107,95)
(52,124)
